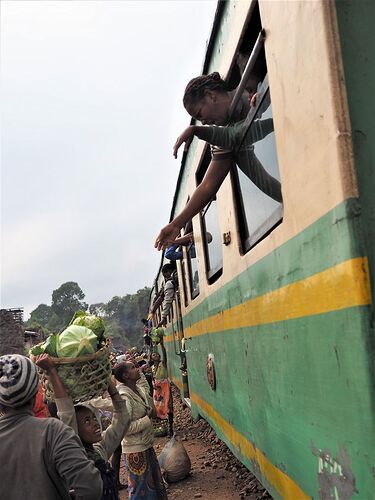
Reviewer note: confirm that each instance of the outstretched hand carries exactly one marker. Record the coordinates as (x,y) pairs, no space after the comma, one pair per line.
(186,137)
(166,236)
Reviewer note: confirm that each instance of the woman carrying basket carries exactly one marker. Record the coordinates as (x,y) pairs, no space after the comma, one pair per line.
(81,418)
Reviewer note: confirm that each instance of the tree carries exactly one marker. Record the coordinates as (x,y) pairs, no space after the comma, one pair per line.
(66,300)
(97,309)
(41,315)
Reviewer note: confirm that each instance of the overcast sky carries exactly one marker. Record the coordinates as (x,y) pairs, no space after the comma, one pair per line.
(91,107)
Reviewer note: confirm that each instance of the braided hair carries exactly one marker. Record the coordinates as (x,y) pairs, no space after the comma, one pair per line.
(197,87)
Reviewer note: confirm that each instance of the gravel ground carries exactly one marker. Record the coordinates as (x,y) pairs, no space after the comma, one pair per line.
(216,474)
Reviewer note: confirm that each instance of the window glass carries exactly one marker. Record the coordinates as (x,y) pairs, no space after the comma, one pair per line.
(193,275)
(257,176)
(184,287)
(212,240)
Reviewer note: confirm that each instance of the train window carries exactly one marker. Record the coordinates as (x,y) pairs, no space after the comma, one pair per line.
(257,177)
(193,275)
(184,287)
(212,241)
(211,235)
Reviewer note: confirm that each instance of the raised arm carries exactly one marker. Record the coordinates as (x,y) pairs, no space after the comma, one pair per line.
(45,362)
(217,171)
(65,406)
(111,437)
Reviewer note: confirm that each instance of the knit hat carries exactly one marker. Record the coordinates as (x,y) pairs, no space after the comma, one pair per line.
(18,380)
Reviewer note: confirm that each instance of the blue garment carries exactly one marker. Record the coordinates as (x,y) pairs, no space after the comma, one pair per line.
(172,254)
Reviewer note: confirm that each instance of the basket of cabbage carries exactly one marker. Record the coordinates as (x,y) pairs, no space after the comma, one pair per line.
(81,356)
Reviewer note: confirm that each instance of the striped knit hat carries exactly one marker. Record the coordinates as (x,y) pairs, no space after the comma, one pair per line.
(18,380)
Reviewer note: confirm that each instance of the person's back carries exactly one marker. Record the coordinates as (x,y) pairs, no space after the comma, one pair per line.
(41,459)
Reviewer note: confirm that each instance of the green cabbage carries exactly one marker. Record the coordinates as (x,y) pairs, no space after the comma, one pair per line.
(94,323)
(48,347)
(76,341)
(156,335)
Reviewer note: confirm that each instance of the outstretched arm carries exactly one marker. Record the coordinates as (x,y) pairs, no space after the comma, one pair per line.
(65,407)
(46,363)
(215,175)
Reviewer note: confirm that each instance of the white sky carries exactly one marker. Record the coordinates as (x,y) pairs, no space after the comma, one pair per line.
(91,107)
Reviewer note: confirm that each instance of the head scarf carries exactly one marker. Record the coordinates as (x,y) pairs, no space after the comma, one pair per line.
(18,380)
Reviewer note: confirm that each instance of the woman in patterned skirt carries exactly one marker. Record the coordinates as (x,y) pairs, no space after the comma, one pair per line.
(144,475)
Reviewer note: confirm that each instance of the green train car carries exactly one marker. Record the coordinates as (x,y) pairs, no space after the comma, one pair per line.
(274,318)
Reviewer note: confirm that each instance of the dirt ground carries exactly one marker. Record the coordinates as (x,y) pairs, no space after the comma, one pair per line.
(215,474)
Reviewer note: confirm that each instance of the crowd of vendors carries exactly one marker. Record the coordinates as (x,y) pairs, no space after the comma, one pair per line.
(78,453)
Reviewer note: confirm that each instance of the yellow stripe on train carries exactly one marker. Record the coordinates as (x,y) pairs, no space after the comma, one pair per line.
(285,486)
(339,287)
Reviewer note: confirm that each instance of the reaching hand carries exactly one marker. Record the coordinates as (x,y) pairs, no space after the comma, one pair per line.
(186,137)
(166,236)
(163,322)
(44,362)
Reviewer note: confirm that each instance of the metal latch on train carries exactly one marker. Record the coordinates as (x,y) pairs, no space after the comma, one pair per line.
(227,238)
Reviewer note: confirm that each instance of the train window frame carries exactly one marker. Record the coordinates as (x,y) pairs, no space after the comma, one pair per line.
(193,292)
(212,274)
(183,274)
(247,240)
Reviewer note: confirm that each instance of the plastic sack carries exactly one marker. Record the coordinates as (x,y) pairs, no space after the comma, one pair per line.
(174,461)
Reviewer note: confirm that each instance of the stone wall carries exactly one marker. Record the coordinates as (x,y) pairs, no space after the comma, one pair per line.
(11,334)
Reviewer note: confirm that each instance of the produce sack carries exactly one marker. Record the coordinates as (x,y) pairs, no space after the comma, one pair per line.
(76,341)
(94,323)
(174,461)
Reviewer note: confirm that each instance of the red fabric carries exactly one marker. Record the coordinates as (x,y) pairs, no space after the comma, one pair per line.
(162,398)
(40,409)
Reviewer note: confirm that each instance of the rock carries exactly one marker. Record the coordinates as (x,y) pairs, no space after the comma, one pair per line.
(198,495)
(207,463)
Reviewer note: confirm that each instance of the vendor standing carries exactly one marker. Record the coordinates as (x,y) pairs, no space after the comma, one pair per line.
(162,388)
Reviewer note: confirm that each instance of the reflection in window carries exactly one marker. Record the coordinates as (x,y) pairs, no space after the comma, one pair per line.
(193,275)
(212,240)
(257,177)
(183,272)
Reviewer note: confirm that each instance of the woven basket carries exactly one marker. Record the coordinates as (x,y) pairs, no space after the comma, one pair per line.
(84,378)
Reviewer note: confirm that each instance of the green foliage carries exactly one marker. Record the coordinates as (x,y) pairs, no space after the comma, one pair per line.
(66,300)
(40,316)
(121,315)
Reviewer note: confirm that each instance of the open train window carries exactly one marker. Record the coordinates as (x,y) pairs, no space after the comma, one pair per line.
(211,234)
(192,265)
(256,176)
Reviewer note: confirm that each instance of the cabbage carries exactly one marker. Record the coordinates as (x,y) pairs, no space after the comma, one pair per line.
(90,321)
(156,335)
(48,347)
(76,341)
